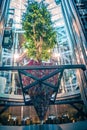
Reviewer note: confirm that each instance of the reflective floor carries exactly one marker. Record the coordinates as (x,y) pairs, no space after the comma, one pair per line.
(82,125)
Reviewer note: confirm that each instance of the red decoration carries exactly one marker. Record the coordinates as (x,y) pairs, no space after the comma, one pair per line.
(40,94)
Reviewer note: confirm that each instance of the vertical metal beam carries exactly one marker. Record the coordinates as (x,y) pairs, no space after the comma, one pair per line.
(21,84)
(58,84)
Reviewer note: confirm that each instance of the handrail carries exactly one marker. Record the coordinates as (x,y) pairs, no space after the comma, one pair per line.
(74,66)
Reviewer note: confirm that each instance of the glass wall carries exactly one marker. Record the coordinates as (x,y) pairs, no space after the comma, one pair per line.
(78,40)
